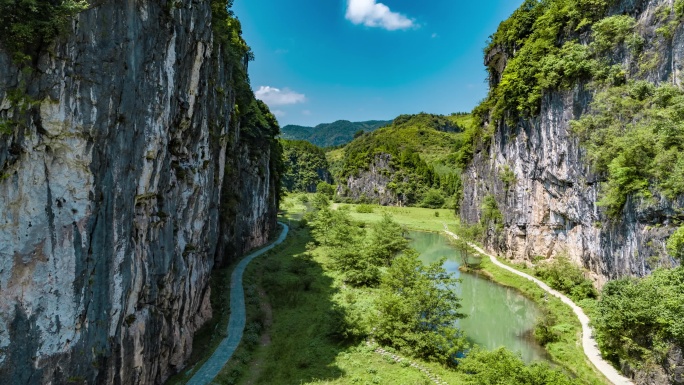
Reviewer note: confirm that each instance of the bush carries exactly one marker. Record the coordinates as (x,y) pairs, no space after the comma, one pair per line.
(675,244)
(638,320)
(433,200)
(325,188)
(544,331)
(564,276)
(502,366)
(364,208)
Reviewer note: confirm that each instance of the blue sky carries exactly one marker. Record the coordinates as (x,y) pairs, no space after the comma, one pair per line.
(318,61)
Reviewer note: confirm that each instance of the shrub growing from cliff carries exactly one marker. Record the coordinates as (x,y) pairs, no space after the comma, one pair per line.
(675,244)
(28,26)
(634,137)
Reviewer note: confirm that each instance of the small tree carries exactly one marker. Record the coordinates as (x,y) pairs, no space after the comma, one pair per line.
(326,189)
(386,240)
(418,309)
(675,244)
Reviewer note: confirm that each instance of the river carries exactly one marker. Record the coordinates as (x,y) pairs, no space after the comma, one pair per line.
(497,315)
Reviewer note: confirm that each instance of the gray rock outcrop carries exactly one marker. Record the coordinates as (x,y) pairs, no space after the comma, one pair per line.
(551,207)
(124,181)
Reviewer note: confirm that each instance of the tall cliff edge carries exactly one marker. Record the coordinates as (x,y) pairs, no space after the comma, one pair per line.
(126,175)
(550,206)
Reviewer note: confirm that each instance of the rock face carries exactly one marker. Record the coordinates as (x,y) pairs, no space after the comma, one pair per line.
(551,207)
(113,187)
(371,185)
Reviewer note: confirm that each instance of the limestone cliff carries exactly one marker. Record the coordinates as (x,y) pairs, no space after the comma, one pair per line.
(550,208)
(125,174)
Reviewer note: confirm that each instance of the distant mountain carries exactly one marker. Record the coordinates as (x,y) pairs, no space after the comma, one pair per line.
(331,134)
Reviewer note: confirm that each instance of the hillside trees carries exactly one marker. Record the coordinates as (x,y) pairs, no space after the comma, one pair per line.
(305,166)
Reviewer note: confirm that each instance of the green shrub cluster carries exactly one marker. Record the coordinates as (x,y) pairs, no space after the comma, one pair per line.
(634,136)
(639,320)
(415,306)
(305,166)
(28,26)
(675,244)
(566,277)
(364,208)
(502,367)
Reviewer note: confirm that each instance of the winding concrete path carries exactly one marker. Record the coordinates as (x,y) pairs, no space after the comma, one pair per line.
(588,343)
(236,323)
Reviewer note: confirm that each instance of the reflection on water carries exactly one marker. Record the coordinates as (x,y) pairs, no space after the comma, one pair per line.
(497,315)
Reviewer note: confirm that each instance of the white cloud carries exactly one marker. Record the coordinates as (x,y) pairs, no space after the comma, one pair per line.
(434,35)
(278,113)
(277,97)
(373,14)
(306,112)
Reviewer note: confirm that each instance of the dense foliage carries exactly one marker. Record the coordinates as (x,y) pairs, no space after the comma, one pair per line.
(28,26)
(420,152)
(634,136)
(305,166)
(639,320)
(541,44)
(675,244)
(415,308)
(418,310)
(331,134)
(566,277)
(502,367)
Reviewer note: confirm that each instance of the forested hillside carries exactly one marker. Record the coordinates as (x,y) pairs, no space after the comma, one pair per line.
(331,134)
(305,166)
(413,161)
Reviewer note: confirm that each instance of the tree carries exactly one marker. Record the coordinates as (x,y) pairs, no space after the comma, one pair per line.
(675,244)
(386,241)
(418,309)
(325,188)
(433,199)
(335,228)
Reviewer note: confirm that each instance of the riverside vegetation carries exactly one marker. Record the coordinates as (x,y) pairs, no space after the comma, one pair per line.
(328,298)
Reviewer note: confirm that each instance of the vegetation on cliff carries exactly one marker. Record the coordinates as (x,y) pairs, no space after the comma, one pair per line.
(29,26)
(421,152)
(305,166)
(634,135)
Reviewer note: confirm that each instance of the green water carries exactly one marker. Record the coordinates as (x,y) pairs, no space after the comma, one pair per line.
(497,315)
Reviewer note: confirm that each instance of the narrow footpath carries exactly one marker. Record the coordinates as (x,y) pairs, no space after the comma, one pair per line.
(588,343)
(236,324)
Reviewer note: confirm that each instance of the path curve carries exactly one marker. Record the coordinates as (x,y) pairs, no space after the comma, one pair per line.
(588,343)
(236,323)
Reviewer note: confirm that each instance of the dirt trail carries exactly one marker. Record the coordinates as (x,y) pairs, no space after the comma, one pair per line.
(588,343)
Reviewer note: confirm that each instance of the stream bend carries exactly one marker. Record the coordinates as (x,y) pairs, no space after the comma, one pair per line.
(588,343)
